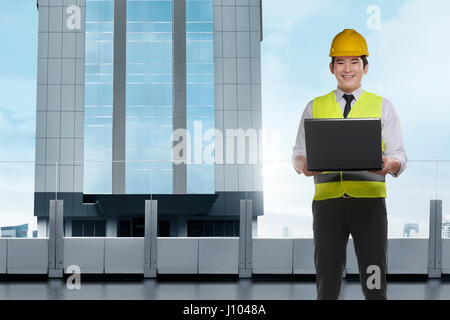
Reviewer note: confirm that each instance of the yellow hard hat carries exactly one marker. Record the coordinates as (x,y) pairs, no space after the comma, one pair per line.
(349,43)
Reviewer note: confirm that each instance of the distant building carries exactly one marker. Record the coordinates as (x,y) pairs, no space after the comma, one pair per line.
(35,233)
(20,231)
(446,229)
(407,227)
(285,231)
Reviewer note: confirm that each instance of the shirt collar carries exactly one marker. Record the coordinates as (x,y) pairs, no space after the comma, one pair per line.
(340,94)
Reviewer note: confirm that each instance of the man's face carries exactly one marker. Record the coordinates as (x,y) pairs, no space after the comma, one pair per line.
(348,72)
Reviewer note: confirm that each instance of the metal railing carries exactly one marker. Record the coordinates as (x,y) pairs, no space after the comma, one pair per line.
(243,256)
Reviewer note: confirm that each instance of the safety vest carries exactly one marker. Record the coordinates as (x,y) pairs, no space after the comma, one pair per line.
(359,184)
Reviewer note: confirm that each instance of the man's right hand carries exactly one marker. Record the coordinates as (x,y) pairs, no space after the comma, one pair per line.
(301,167)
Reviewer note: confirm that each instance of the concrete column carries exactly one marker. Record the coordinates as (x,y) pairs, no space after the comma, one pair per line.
(119,97)
(254,226)
(111,227)
(67,228)
(181,226)
(179,89)
(245,239)
(42,227)
(150,240)
(435,240)
(55,239)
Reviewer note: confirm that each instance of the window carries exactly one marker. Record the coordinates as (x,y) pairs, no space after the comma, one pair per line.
(149,97)
(213,228)
(124,228)
(163,228)
(98,96)
(199,89)
(149,105)
(135,227)
(85,228)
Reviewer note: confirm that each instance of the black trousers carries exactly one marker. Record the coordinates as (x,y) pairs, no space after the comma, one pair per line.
(333,221)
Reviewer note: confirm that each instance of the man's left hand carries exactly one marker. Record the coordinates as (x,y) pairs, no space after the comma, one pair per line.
(390,165)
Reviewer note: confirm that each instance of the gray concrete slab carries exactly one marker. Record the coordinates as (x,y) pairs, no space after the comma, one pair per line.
(227,289)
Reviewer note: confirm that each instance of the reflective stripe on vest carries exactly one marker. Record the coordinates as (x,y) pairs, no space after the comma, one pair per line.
(348,176)
(362,176)
(354,183)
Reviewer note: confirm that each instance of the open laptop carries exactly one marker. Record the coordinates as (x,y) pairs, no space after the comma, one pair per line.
(343,144)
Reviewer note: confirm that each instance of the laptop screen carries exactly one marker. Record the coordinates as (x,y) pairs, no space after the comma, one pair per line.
(343,144)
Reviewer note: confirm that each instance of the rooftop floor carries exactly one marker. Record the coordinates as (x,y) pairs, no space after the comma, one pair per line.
(210,289)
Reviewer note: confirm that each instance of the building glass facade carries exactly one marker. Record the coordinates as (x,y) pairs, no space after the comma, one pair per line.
(200,93)
(98,109)
(149,97)
(149,106)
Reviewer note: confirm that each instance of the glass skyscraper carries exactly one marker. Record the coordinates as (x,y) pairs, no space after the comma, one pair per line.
(119,77)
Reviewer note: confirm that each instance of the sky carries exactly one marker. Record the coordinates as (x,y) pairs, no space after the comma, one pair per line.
(18,64)
(408,41)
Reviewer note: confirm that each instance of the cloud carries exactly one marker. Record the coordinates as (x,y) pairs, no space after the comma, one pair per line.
(17,118)
(16,178)
(408,65)
(284,16)
(18,95)
(282,20)
(279,98)
(17,194)
(18,62)
(19,25)
(17,136)
(408,53)
(13,124)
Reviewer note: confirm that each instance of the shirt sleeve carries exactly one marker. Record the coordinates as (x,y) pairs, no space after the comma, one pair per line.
(391,132)
(299,148)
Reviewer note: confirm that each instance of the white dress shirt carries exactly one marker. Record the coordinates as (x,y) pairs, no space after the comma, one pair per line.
(391,132)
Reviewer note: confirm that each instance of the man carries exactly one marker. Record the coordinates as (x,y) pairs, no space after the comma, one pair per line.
(355,203)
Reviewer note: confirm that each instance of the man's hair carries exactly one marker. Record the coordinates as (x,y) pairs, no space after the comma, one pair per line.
(363,58)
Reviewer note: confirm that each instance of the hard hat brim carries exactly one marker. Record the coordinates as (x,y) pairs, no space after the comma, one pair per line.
(348,53)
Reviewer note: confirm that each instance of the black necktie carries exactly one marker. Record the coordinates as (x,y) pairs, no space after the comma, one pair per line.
(348,98)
